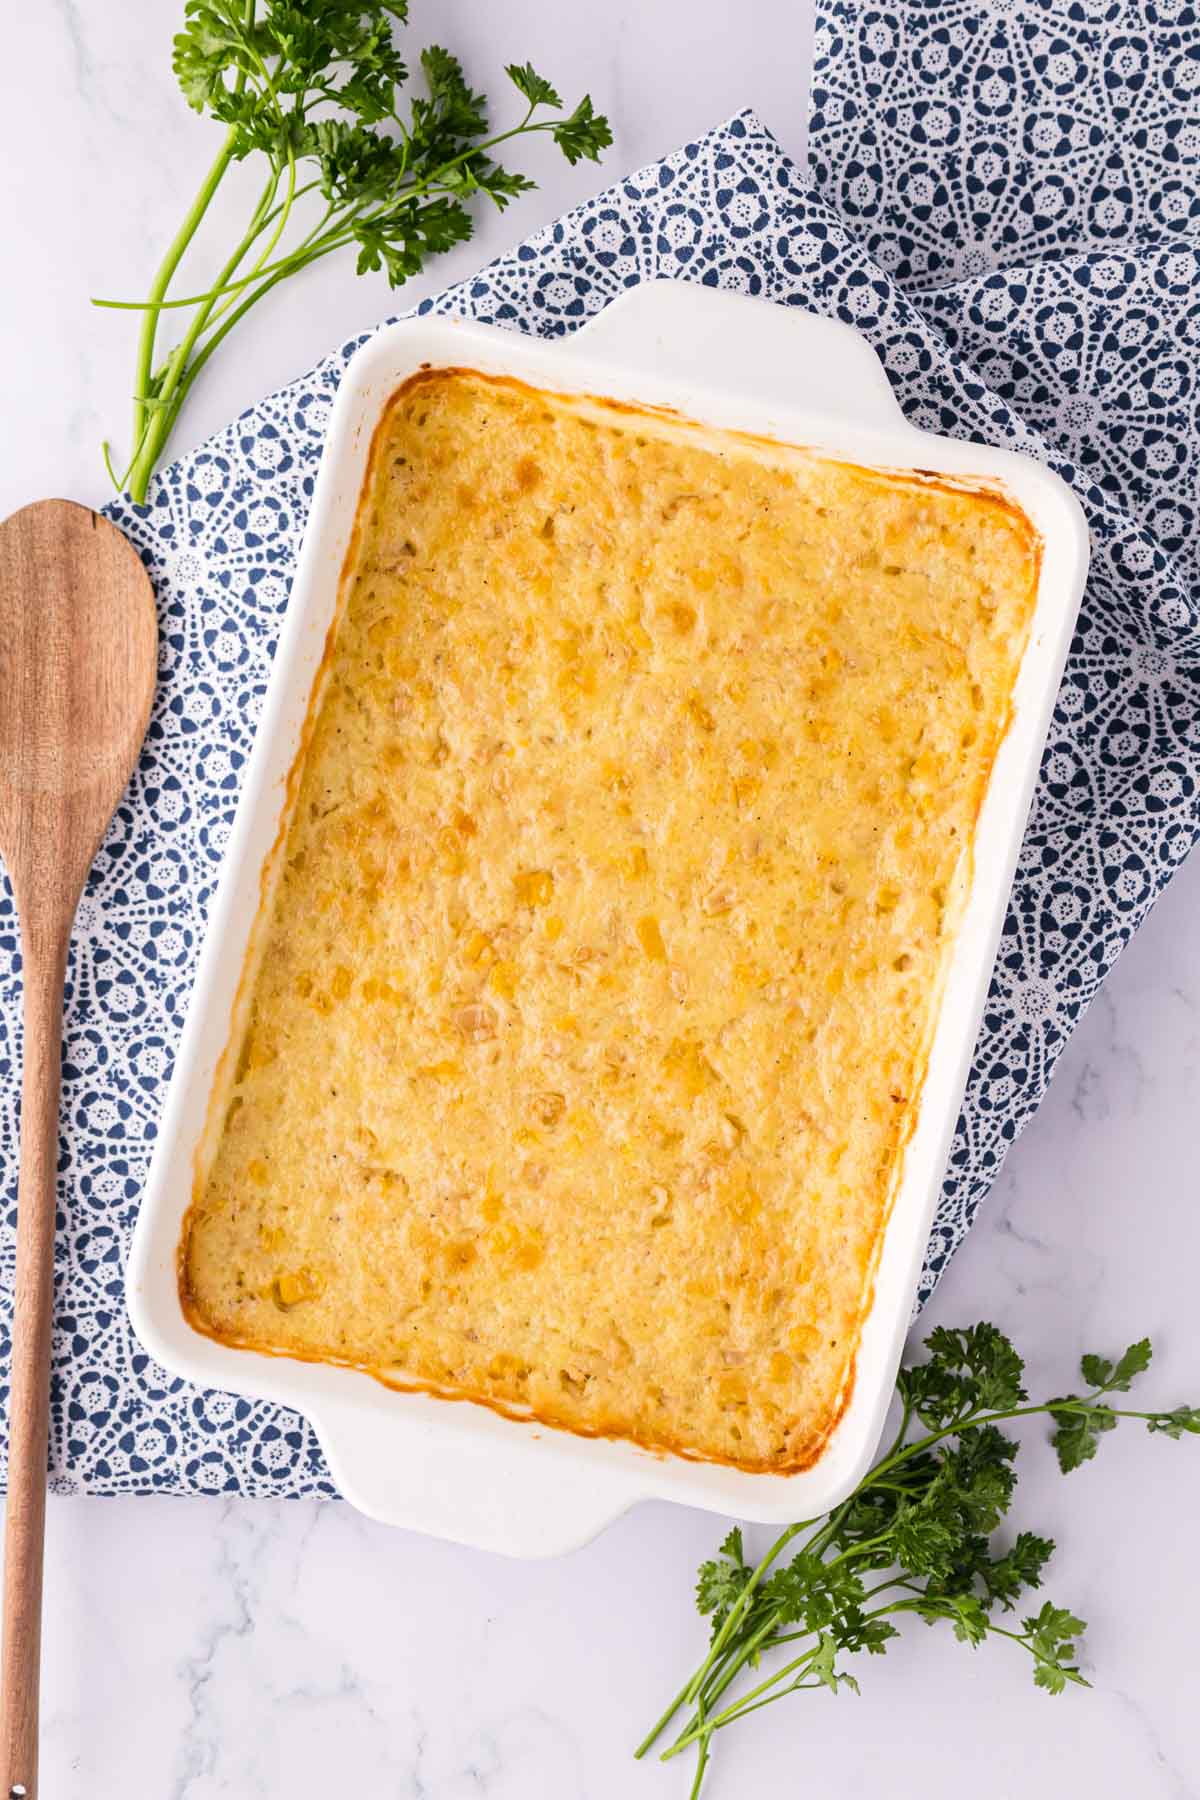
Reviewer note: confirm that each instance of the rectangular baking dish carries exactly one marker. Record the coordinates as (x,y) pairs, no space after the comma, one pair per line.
(459,1470)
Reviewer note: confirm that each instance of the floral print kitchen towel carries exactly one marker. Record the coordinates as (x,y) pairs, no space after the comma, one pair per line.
(1025,173)
(1021,363)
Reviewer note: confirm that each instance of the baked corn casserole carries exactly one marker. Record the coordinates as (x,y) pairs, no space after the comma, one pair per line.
(587,1011)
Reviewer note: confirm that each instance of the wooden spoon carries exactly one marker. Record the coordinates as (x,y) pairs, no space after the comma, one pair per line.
(78,652)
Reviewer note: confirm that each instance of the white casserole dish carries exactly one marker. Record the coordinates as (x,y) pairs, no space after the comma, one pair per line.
(460,1471)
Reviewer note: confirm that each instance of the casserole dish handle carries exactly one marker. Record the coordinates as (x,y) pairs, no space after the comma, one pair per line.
(679,331)
(453,1478)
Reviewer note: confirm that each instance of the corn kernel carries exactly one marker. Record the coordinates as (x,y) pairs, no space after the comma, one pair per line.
(440,1071)
(687,1062)
(292,1289)
(503,979)
(530,1252)
(534,887)
(637,863)
(614,774)
(341,982)
(803,1339)
(256,1171)
(700,713)
(525,1250)
(651,938)
(475,945)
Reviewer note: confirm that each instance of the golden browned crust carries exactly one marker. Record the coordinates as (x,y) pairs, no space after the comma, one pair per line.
(597,969)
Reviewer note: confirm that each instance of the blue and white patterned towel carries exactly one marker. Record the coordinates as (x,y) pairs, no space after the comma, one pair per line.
(948,143)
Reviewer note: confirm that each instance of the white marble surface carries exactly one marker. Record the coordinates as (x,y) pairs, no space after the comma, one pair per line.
(196,1650)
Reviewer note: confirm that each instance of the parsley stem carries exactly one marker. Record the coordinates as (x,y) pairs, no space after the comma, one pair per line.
(657,1730)
(740,1607)
(170,262)
(720,1678)
(769,1636)
(717,1720)
(166,385)
(1017,1637)
(971,1421)
(702,1758)
(242,281)
(318,249)
(905,1422)
(162,279)
(263,213)
(435,180)
(106,453)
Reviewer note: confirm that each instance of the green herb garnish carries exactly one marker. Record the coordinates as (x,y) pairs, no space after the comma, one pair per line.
(311,88)
(915,1536)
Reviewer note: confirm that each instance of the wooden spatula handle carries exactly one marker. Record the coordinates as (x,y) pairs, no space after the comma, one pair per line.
(29,1408)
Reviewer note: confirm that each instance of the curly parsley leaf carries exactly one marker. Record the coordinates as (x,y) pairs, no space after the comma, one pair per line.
(812,1590)
(400,239)
(1051,1636)
(536,89)
(1081,1424)
(1117,1378)
(822,1665)
(584,133)
(722,1581)
(968,1370)
(1004,1578)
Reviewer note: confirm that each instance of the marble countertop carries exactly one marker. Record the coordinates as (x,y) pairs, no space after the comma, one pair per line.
(195,1649)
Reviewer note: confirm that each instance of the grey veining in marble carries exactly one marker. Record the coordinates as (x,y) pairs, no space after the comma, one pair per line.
(199,1651)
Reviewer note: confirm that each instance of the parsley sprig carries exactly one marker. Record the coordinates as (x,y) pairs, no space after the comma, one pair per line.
(917,1536)
(311,89)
